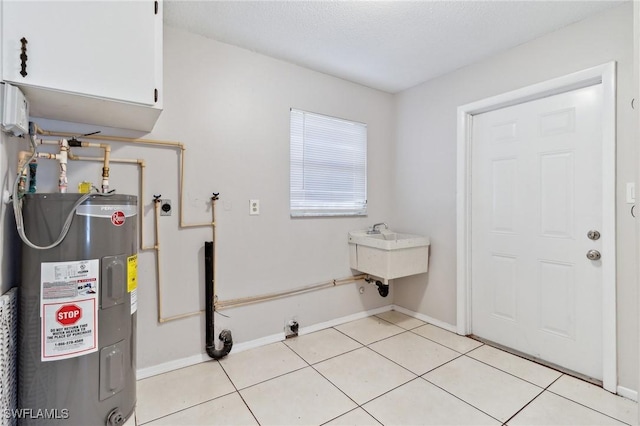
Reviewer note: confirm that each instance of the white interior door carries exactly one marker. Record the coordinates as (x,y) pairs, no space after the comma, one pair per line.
(536,193)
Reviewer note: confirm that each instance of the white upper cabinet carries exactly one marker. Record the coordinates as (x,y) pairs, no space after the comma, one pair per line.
(96,62)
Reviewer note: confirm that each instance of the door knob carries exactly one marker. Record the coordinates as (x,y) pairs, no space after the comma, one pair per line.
(593,255)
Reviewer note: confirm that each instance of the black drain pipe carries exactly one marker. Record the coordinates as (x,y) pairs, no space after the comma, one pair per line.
(225,335)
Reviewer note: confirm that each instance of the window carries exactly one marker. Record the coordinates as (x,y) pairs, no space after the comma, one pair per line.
(328,166)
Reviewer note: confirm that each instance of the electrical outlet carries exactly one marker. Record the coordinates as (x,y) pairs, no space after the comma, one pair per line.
(254,207)
(165,207)
(291,328)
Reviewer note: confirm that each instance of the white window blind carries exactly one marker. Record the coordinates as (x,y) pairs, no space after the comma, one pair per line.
(328,166)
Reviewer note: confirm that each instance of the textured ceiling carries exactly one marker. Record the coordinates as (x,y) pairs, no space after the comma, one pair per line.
(387,45)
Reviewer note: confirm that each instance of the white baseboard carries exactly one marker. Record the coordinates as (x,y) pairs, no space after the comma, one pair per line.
(621,390)
(628,393)
(143,373)
(342,320)
(426,318)
(279,337)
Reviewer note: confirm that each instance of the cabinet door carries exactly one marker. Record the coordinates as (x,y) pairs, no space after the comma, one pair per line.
(103,49)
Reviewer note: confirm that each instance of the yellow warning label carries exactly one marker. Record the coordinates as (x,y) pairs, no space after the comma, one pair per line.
(132,273)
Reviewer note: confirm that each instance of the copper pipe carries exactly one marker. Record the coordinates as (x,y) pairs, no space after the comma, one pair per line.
(226,304)
(181,207)
(162,319)
(167,144)
(141,166)
(101,159)
(180,316)
(42,132)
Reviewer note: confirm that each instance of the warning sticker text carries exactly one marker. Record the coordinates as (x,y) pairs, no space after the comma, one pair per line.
(69,308)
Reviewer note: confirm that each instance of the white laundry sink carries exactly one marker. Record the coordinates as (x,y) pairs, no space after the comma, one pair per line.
(388,254)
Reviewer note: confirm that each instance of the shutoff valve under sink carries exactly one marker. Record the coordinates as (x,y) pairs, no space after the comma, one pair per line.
(387,254)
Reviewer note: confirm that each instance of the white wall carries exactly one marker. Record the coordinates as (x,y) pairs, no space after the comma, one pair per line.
(636,122)
(426,159)
(230,107)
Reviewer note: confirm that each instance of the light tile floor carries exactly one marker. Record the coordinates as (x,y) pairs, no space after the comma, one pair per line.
(389,369)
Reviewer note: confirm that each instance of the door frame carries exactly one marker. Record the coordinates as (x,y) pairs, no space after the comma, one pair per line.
(604,74)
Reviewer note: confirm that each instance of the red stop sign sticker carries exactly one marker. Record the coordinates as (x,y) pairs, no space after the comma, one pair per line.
(68,314)
(118,218)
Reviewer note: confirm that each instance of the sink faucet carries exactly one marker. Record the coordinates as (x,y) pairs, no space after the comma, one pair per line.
(375,228)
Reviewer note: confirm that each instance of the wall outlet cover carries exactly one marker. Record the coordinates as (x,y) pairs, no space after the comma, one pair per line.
(254,207)
(165,207)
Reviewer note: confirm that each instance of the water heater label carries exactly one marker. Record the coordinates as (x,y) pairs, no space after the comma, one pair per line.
(132,273)
(69,308)
(132,281)
(107,211)
(134,301)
